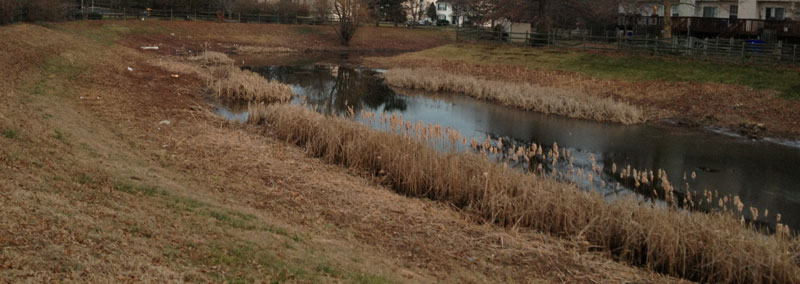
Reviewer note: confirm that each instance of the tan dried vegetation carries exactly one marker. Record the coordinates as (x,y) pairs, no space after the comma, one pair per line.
(228,81)
(701,247)
(549,100)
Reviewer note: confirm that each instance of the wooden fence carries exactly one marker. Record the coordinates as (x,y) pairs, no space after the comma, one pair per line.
(175,15)
(728,50)
(716,27)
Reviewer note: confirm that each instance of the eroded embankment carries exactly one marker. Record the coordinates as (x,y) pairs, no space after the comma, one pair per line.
(701,247)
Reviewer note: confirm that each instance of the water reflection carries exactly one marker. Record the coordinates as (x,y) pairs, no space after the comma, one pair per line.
(334,89)
(763,174)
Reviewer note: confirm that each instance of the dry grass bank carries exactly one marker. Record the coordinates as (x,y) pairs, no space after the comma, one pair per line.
(547,100)
(94,188)
(700,247)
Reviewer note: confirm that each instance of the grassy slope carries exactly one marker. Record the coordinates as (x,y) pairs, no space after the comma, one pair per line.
(84,200)
(628,67)
(95,189)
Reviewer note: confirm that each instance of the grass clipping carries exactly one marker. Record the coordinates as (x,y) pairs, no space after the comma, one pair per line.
(695,246)
(547,100)
(228,81)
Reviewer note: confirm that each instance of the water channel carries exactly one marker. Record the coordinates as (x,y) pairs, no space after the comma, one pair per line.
(764,175)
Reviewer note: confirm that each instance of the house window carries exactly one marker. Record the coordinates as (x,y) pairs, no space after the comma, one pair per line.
(442,6)
(709,12)
(734,11)
(675,11)
(774,13)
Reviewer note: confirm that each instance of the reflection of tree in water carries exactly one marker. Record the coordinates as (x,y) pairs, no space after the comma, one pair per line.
(336,88)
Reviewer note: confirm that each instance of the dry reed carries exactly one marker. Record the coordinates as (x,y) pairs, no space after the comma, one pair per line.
(213,58)
(236,84)
(700,247)
(247,49)
(521,95)
(228,81)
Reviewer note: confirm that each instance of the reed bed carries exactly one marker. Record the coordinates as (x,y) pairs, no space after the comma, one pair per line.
(243,85)
(248,49)
(228,81)
(699,247)
(212,58)
(549,100)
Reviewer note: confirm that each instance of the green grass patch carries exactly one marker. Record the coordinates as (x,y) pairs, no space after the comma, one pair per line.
(242,262)
(370,279)
(626,66)
(306,30)
(226,217)
(10,133)
(107,34)
(58,74)
(137,189)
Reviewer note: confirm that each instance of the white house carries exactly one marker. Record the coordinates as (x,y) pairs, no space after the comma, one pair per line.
(444,11)
(740,9)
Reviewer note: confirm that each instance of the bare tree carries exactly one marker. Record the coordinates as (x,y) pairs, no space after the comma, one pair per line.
(350,13)
(415,9)
(321,9)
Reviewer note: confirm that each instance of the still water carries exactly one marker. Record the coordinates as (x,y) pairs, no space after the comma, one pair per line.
(764,175)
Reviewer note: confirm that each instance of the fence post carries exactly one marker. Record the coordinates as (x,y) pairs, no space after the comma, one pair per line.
(619,42)
(123,14)
(794,53)
(584,40)
(170,15)
(655,46)
(742,55)
(705,47)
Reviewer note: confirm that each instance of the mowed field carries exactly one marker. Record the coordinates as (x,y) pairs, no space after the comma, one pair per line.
(113,170)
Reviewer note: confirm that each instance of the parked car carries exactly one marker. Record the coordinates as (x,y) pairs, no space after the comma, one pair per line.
(418,23)
(442,23)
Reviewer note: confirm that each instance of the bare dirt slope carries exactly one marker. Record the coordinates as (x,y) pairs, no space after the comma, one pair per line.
(125,176)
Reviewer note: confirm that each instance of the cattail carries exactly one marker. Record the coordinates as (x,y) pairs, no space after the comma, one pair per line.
(694,175)
(778,217)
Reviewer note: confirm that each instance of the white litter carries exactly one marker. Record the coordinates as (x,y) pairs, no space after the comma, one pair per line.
(150,47)
(164,122)
(130,69)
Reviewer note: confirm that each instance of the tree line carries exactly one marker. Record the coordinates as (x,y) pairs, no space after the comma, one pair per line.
(542,13)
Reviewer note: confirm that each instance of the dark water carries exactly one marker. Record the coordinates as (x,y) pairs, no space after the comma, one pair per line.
(764,175)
